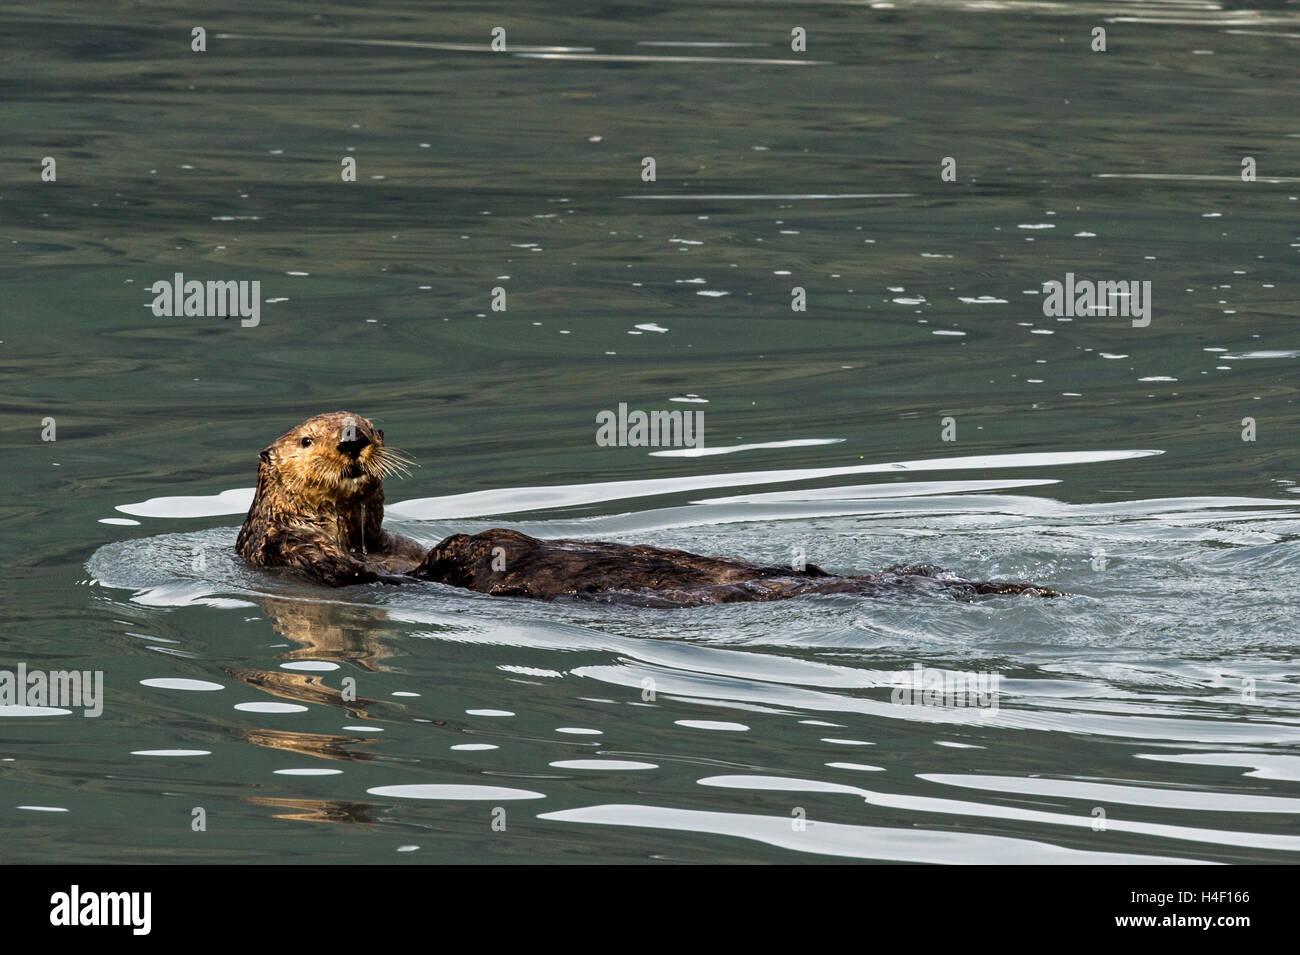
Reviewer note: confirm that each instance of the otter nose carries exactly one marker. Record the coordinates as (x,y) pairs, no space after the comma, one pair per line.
(354,447)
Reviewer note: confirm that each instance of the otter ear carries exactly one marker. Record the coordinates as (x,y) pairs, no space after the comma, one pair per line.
(265,456)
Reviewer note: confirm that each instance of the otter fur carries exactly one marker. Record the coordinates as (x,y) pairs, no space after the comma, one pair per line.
(319,507)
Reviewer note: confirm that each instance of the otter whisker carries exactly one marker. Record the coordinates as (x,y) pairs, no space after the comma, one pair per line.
(398,456)
(391,461)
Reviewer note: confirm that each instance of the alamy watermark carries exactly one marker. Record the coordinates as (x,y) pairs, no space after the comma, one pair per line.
(924,686)
(1074,298)
(76,908)
(68,689)
(656,429)
(211,299)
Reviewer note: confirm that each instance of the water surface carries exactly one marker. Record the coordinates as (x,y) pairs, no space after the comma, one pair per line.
(1152,715)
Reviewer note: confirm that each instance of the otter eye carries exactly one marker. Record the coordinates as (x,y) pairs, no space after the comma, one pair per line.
(306,442)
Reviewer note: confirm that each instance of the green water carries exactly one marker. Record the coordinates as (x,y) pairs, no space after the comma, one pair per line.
(1163,691)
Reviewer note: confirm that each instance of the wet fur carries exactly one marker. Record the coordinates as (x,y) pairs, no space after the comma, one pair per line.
(309,512)
(321,510)
(657,576)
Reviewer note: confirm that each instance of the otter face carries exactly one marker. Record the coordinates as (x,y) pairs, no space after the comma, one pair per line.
(339,455)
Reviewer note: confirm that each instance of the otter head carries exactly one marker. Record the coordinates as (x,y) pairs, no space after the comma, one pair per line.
(330,461)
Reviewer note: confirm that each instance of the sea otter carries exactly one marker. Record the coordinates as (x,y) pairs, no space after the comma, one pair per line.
(319,507)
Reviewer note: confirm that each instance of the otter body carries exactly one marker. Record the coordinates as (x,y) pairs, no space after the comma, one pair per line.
(508,563)
(319,507)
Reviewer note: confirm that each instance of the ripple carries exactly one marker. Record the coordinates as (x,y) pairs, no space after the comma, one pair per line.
(611,764)
(308,772)
(16,711)
(850,841)
(733,448)
(511,500)
(713,725)
(529,671)
(633,58)
(1130,795)
(1263,765)
(271,707)
(872,492)
(453,792)
(1263,354)
(235,501)
(401,44)
(865,767)
(171,752)
(175,683)
(782,195)
(952,807)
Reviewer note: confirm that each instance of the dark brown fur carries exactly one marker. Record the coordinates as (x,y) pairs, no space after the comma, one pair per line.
(312,502)
(508,563)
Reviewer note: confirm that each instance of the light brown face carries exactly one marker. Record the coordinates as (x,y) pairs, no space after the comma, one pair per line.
(336,455)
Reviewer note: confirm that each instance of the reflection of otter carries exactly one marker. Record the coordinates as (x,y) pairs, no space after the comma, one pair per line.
(319,507)
(316,810)
(322,630)
(328,630)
